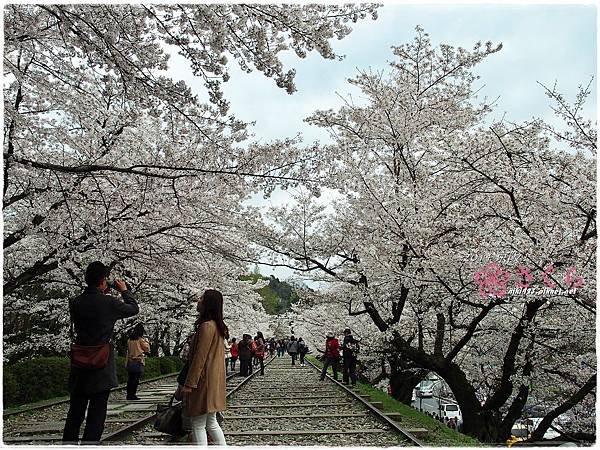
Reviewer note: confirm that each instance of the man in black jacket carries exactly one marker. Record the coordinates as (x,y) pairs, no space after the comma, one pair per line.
(349,353)
(93,315)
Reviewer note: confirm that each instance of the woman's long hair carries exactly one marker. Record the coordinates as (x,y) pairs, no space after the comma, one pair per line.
(137,332)
(212,309)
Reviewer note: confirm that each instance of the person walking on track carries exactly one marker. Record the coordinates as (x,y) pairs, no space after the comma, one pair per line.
(245,356)
(292,349)
(332,355)
(260,351)
(137,345)
(234,353)
(227,354)
(205,386)
(350,349)
(302,350)
(93,315)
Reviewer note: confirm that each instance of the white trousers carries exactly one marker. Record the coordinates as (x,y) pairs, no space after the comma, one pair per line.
(207,423)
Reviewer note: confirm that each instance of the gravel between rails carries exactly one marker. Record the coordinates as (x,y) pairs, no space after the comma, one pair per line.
(301,386)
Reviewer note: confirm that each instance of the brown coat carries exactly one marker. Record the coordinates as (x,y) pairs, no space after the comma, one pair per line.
(136,349)
(206,375)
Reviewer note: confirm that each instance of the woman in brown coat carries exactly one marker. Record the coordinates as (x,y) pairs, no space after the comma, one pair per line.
(205,386)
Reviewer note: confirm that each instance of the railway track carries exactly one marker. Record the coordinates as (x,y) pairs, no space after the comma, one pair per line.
(287,406)
(291,406)
(43,424)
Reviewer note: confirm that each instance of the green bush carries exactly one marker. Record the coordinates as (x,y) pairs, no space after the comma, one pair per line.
(170,364)
(10,387)
(151,368)
(40,378)
(45,378)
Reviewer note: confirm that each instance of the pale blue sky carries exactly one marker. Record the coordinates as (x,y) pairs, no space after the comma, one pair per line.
(540,43)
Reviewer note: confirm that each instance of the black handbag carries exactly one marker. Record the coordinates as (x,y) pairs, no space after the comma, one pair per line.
(169,418)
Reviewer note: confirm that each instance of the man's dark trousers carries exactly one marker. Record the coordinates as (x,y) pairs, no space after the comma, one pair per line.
(349,372)
(334,365)
(96,415)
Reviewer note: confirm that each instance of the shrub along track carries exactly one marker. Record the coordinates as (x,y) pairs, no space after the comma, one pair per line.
(291,406)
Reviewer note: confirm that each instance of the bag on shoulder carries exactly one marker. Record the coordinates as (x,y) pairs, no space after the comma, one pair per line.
(169,418)
(90,356)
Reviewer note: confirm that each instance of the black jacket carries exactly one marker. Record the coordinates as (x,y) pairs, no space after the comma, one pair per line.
(94,315)
(346,352)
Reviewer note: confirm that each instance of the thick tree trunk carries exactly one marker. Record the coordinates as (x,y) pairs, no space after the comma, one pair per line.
(484,425)
(403,381)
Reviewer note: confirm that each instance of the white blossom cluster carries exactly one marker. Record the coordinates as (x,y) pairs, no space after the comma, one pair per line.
(106,158)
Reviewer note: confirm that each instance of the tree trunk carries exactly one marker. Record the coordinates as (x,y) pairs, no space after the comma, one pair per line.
(165,342)
(484,425)
(403,379)
(155,343)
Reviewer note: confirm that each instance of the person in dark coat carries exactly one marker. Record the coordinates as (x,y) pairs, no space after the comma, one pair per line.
(93,315)
(349,354)
(245,355)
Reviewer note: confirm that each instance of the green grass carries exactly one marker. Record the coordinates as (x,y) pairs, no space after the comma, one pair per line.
(438,435)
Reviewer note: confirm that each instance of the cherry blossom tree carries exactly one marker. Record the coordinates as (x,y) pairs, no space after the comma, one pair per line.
(440,213)
(106,157)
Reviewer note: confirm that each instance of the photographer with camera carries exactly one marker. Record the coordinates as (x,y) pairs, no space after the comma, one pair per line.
(93,370)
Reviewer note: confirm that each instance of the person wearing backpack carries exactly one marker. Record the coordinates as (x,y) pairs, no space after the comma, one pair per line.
(292,349)
(332,355)
(260,351)
(350,349)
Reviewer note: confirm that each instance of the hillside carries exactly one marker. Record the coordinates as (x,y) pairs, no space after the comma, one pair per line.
(277,296)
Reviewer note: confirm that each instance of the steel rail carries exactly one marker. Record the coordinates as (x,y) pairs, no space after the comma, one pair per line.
(379,414)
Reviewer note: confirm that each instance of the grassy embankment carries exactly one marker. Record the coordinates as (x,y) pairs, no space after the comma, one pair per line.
(438,434)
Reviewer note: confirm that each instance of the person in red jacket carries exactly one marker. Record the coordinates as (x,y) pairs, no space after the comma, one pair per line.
(332,355)
(234,353)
